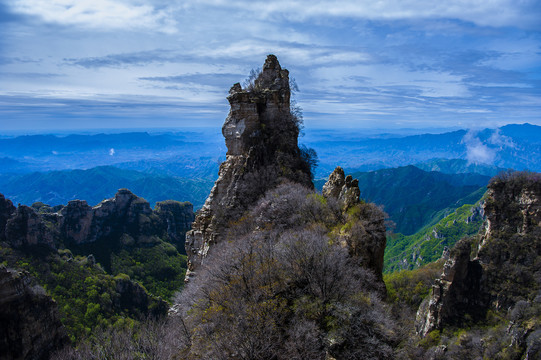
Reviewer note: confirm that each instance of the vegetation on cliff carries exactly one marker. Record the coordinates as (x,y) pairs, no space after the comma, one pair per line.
(432,242)
(108,266)
(289,282)
(487,301)
(88,298)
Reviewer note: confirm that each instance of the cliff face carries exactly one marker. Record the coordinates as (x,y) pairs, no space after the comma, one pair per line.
(261,138)
(6,209)
(30,327)
(513,207)
(505,266)
(176,219)
(77,223)
(25,227)
(123,214)
(456,293)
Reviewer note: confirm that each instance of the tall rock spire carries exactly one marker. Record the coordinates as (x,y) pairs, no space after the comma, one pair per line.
(262,150)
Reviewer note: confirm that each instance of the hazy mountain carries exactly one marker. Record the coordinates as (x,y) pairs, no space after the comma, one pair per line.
(196,153)
(97,184)
(459,166)
(512,146)
(9,165)
(51,152)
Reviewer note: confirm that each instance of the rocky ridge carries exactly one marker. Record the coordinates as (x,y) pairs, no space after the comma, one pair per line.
(365,239)
(261,137)
(126,216)
(504,265)
(117,233)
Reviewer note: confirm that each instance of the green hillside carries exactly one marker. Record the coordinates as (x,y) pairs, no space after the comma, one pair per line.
(414,198)
(427,245)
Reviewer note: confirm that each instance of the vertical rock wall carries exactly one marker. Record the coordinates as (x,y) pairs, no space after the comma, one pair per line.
(30,326)
(505,264)
(261,138)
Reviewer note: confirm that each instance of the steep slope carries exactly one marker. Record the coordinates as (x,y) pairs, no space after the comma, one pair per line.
(30,325)
(433,242)
(503,276)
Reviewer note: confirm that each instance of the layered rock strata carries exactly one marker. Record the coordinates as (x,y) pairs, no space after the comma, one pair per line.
(261,137)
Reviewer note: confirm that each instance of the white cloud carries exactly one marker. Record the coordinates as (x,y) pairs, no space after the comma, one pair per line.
(98,14)
(482,12)
(476,151)
(501,140)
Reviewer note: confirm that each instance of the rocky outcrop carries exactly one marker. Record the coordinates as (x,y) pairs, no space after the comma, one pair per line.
(456,293)
(365,233)
(510,245)
(177,219)
(125,220)
(26,228)
(477,213)
(513,205)
(76,221)
(261,138)
(506,264)
(124,216)
(30,326)
(344,188)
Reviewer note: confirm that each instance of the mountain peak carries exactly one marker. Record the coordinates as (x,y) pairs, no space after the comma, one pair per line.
(261,135)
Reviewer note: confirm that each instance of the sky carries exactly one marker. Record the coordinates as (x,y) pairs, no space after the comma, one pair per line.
(84,64)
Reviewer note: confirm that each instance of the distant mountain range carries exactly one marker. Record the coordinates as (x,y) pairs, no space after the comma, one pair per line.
(511,146)
(99,183)
(459,166)
(194,154)
(183,166)
(189,152)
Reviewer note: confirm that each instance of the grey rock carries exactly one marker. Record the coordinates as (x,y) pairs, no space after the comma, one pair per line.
(262,150)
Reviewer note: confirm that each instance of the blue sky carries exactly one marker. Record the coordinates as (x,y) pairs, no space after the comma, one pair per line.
(80,64)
